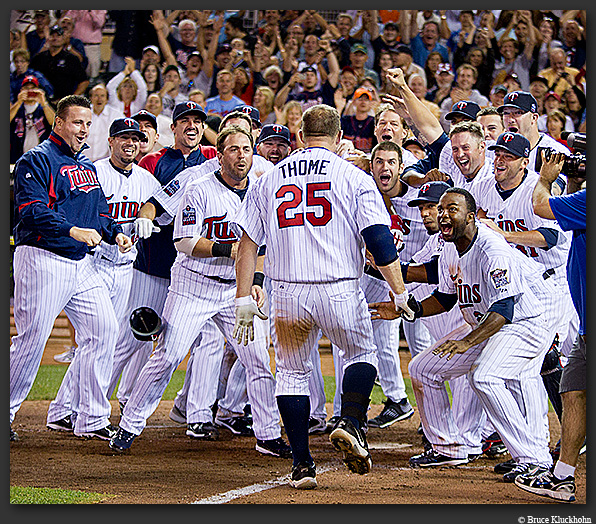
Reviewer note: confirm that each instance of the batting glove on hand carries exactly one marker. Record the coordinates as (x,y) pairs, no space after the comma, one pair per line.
(246,309)
(408,304)
(144,227)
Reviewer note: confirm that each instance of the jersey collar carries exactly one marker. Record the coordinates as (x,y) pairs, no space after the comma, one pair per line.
(64,147)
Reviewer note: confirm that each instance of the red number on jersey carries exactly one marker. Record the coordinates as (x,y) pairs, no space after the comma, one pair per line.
(313,199)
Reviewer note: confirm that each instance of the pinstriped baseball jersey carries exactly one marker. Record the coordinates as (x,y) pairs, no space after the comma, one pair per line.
(206,209)
(438,325)
(515,213)
(125,194)
(314,204)
(488,271)
(545,141)
(483,177)
(169,195)
(414,232)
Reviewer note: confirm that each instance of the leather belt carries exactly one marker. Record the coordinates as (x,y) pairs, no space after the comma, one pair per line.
(221,280)
(548,273)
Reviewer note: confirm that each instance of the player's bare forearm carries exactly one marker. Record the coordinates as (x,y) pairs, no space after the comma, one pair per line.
(491,323)
(246,263)
(521,238)
(392,275)
(416,273)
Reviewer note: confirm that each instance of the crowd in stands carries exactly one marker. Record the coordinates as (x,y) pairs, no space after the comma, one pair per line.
(284,61)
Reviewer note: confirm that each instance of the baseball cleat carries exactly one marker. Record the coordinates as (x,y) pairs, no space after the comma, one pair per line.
(392,412)
(505,467)
(241,425)
(122,441)
(303,476)
(545,484)
(177,416)
(64,424)
(276,447)
(433,459)
(351,441)
(13,435)
(103,433)
(203,431)
(493,446)
(523,469)
(316,426)
(65,357)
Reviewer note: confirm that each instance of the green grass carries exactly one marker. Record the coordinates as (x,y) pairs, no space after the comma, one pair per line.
(20,495)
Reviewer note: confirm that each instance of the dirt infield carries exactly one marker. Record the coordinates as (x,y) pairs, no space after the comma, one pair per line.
(165,466)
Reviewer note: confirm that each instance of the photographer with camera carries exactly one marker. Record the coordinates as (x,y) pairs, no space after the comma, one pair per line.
(570,212)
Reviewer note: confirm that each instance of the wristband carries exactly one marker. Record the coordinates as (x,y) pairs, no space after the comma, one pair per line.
(221,250)
(258,279)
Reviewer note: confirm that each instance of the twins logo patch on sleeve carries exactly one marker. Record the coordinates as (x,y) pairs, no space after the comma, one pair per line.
(499,277)
(189,216)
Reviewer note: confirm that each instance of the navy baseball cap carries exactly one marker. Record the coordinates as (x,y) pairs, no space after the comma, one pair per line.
(274,131)
(429,193)
(252,112)
(308,68)
(143,114)
(513,143)
(187,108)
(126,125)
(519,100)
(464,108)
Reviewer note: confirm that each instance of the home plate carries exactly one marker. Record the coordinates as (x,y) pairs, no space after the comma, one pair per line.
(388,445)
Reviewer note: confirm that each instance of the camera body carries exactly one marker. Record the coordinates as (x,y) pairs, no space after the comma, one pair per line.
(574,165)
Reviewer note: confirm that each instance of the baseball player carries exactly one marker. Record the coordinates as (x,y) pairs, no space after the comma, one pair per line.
(60,213)
(316,212)
(148,124)
(202,287)
(520,115)
(506,305)
(506,207)
(156,252)
(127,187)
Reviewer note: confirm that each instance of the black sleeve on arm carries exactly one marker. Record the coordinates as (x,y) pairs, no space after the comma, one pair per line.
(379,241)
(446,300)
(550,235)
(504,307)
(432,270)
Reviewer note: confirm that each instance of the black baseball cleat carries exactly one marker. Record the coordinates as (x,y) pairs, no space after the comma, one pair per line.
(392,412)
(303,476)
(122,441)
(433,459)
(64,424)
(13,435)
(493,446)
(241,425)
(523,469)
(316,426)
(505,467)
(202,430)
(351,441)
(276,447)
(105,433)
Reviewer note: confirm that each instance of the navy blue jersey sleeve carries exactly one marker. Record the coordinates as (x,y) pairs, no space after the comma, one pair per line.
(431,161)
(35,195)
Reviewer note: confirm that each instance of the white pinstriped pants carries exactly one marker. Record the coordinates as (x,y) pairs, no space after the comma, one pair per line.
(192,300)
(299,311)
(46,284)
(493,367)
(117,279)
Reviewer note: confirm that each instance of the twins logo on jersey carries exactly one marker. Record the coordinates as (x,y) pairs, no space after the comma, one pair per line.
(517,225)
(172,187)
(219,229)
(82,179)
(123,212)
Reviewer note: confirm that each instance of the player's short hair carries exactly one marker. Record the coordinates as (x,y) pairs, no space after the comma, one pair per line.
(236,113)
(64,104)
(489,110)
(468,126)
(321,120)
(232,130)
(387,145)
(381,108)
(470,202)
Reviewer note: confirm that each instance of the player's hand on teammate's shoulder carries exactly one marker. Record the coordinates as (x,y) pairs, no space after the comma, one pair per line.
(434,175)
(86,235)
(124,242)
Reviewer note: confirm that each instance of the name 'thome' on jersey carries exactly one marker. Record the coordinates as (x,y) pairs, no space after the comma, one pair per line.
(309,211)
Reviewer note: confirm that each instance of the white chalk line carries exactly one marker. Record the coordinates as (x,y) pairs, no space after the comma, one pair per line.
(228,496)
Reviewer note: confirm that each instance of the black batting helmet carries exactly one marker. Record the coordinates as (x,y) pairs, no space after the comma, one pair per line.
(145,324)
